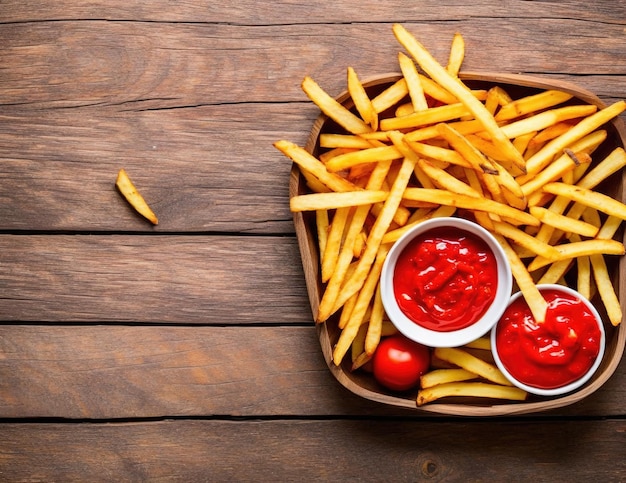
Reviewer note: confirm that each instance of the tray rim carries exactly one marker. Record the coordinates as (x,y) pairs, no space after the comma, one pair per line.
(310,266)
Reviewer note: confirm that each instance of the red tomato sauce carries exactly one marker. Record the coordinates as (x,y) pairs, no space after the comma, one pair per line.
(554,353)
(445,279)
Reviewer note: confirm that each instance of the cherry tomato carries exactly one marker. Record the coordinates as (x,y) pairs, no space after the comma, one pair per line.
(399,362)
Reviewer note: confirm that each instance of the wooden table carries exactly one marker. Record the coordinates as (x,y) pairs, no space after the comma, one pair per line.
(187,351)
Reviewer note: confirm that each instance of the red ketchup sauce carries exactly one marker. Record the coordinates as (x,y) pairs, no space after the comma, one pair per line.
(554,353)
(445,279)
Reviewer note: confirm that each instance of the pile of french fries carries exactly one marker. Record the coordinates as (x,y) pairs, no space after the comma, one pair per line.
(522,168)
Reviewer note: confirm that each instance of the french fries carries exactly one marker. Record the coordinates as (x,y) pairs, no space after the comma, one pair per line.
(128,190)
(429,146)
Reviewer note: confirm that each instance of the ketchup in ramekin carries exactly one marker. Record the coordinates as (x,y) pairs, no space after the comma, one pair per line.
(445,282)
(445,279)
(554,356)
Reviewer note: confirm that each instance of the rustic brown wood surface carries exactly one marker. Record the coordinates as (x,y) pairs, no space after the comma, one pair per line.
(186,351)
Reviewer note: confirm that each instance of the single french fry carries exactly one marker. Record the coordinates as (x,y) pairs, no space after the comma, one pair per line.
(438,153)
(130,193)
(327,201)
(414,85)
(333,242)
(444,376)
(363,156)
(322,224)
(458,89)
(361,100)
(331,141)
(534,103)
(333,109)
(483,343)
(457,54)
(546,119)
(605,289)
(580,249)
(467,361)
(474,389)
(375,326)
(432,115)
(390,96)
(583,276)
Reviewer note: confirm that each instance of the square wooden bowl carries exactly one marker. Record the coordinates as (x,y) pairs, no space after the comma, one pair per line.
(361,382)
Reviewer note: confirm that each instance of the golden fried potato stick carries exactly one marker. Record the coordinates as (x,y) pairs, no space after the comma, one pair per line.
(457,54)
(533,103)
(474,389)
(414,85)
(546,119)
(483,343)
(452,84)
(331,141)
(322,224)
(328,201)
(580,249)
(444,376)
(333,109)
(432,115)
(390,96)
(333,242)
(471,363)
(128,191)
(437,153)
(583,276)
(371,155)
(361,100)
(375,326)
(605,289)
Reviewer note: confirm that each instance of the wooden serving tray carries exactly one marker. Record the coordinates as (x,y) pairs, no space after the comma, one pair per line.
(362,383)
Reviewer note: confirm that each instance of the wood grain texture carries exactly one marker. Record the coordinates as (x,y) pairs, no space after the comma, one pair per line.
(296,450)
(108,325)
(104,372)
(152,279)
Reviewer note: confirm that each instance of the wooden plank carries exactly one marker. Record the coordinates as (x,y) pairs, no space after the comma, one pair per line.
(249,12)
(339,450)
(155,279)
(137,65)
(112,372)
